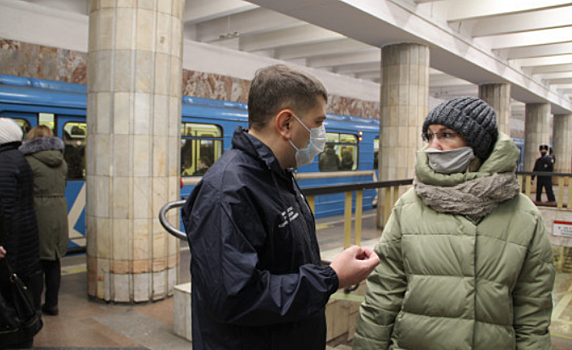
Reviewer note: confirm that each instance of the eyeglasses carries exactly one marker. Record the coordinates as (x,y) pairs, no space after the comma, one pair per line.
(446,135)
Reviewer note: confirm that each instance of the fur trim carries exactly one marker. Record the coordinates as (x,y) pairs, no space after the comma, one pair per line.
(42,144)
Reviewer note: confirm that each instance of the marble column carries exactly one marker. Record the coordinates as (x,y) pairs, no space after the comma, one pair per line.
(536,131)
(562,143)
(404,106)
(498,96)
(134,113)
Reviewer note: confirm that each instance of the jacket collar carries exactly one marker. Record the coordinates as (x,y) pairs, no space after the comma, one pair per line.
(10,145)
(502,159)
(255,148)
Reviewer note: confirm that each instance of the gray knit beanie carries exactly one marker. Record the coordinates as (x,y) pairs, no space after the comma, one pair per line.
(472,118)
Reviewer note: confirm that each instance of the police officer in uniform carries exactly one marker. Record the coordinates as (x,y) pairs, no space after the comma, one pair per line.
(544,163)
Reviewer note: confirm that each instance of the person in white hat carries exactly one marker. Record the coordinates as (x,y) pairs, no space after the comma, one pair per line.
(20,245)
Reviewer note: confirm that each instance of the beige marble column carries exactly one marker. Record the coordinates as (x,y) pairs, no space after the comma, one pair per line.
(404,106)
(498,96)
(134,109)
(536,131)
(562,143)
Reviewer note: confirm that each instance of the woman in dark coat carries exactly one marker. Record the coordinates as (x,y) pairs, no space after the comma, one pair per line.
(45,155)
(21,243)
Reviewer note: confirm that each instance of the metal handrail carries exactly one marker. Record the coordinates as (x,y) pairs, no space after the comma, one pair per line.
(166,224)
(313,191)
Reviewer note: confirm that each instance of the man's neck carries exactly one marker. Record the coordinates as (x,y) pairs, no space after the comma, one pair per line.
(272,141)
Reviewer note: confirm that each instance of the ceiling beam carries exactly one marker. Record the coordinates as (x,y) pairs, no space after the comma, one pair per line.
(287,37)
(471,9)
(563,86)
(553,76)
(561,81)
(522,22)
(446,80)
(537,51)
(373,67)
(198,10)
(254,21)
(552,69)
(544,61)
(375,76)
(538,37)
(334,47)
(367,56)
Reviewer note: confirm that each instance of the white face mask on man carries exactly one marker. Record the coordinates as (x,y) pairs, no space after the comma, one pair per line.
(315,145)
(451,161)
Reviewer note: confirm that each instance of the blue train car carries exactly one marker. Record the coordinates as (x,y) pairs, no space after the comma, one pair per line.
(206,131)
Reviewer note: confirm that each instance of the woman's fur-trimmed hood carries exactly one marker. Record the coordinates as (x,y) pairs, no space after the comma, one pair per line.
(48,150)
(42,144)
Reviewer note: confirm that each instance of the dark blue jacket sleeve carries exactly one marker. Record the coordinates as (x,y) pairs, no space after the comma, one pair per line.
(226,274)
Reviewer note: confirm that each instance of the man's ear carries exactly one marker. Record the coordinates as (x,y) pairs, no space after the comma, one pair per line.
(283,122)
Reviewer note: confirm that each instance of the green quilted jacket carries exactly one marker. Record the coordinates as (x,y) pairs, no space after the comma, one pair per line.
(451,282)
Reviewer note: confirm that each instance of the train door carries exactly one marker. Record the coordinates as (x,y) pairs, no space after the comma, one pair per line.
(73,130)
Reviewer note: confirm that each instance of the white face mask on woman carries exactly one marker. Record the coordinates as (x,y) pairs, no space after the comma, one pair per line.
(451,161)
(315,146)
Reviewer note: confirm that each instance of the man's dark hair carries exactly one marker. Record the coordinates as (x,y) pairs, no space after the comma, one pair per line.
(543,148)
(278,87)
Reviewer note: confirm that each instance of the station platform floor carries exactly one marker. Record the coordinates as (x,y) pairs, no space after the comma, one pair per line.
(84,323)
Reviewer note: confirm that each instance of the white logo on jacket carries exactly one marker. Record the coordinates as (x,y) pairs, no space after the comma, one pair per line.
(288,215)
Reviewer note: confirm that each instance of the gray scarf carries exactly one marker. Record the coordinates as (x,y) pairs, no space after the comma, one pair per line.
(474,198)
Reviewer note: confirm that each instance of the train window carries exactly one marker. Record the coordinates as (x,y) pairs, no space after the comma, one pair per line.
(74,138)
(47,119)
(201,146)
(340,154)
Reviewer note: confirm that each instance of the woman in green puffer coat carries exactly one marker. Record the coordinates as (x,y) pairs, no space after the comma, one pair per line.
(465,258)
(45,155)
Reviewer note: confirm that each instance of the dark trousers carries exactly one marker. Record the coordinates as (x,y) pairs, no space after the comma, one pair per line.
(546,182)
(52,278)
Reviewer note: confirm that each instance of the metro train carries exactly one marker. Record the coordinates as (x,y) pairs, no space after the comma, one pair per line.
(206,131)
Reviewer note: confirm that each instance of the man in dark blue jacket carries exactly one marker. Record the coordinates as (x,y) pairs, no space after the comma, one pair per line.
(257,282)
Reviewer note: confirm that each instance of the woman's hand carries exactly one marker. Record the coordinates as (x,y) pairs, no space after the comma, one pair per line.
(2,252)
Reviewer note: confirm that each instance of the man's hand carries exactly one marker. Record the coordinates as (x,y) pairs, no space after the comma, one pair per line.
(354,264)
(2,252)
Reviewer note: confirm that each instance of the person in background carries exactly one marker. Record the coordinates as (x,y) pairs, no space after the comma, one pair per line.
(204,165)
(329,161)
(258,282)
(21,244)
(466,262)
(544,163)
(44,153)
(347,162)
